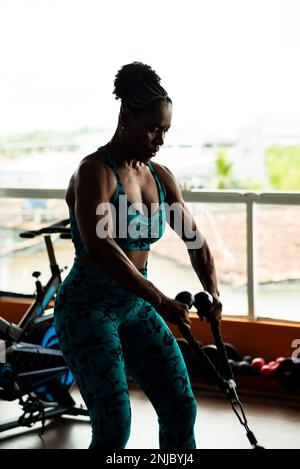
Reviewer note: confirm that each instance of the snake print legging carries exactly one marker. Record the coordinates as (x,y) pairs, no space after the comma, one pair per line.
(106,332)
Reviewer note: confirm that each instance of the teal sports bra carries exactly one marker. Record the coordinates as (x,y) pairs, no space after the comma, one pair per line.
(133,231)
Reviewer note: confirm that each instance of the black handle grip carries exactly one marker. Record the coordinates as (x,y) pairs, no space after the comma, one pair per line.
(28,234)
(203,301)
(186,298)
(58,227)
(66,235)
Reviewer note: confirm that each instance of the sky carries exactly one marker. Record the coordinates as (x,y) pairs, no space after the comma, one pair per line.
(225,63)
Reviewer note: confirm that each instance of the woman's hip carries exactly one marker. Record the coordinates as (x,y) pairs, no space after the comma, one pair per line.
(89,288)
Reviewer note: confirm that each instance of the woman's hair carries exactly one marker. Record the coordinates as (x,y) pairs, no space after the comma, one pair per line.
(138,87)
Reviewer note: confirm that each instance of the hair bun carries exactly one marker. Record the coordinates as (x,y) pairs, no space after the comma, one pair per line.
(131,76)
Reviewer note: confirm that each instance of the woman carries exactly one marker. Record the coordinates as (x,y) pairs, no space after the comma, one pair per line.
(110,319)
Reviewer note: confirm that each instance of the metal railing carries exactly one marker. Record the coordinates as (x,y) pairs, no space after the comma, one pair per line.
(249,199)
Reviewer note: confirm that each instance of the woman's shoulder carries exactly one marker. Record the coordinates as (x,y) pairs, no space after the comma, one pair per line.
(93,171)
(164,173)
(93,166)
(167,178)
(92,160)
(162,170)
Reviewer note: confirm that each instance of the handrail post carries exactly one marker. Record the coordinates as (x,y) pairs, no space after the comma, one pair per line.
(251,258)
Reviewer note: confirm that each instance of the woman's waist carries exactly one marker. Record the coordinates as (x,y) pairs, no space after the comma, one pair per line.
(87,279)
(138,258)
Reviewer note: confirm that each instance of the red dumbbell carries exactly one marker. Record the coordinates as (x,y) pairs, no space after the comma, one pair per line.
(258,363)
(270,369)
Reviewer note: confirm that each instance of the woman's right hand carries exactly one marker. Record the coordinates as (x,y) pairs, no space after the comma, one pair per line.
(174,311)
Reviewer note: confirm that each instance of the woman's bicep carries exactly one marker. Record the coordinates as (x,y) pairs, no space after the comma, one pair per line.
(92,208)
(175,204)
(180,217)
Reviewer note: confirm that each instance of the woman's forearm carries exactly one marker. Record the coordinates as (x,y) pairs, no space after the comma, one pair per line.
(203,264)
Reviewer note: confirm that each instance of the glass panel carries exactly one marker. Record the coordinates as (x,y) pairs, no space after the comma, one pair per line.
(46,161)
(278,262)
(224,226)
(19,257)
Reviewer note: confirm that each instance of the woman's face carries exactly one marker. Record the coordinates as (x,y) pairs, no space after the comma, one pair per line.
(146,131)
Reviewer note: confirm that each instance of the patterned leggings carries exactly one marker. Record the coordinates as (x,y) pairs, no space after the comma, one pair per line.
(104,332)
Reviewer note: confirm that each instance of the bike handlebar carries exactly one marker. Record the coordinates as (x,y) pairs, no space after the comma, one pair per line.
(58,227)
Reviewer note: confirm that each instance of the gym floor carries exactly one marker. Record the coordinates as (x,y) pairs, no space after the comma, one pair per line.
(275,426)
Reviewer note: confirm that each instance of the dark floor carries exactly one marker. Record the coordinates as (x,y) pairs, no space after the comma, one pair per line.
(275,426)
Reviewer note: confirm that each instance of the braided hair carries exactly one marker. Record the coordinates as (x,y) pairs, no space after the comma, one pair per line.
(138,87)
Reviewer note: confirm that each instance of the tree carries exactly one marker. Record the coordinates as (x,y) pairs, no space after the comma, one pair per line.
(223,169)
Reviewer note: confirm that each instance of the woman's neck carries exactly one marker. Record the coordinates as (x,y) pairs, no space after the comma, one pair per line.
(121,153)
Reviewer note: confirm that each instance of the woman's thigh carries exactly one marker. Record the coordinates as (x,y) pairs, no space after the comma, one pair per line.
(153,358)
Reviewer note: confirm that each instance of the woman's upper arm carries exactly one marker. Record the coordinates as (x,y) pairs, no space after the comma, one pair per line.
(180,218)
(91,189)
(173,191)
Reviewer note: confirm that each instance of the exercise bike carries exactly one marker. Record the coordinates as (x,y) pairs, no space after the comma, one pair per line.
(34,372)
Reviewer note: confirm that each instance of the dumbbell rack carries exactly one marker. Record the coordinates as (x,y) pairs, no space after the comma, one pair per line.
(251,388)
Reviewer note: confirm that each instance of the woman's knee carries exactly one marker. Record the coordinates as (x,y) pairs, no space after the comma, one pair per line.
(109,442)
(111,423)
(187,411)
(182,414)
(176,429)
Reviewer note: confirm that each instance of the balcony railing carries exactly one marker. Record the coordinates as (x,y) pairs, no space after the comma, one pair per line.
(249,199)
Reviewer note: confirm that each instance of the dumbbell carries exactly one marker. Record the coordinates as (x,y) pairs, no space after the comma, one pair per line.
(234,366)
(212,353)
(242,367)
(232,352)
(257,363)
(245,368)
(269,369)
(288,373)
(260,366)
(248,358)
(188,356)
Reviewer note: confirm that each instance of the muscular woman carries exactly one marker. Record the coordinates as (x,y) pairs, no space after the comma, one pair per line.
(110,318)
